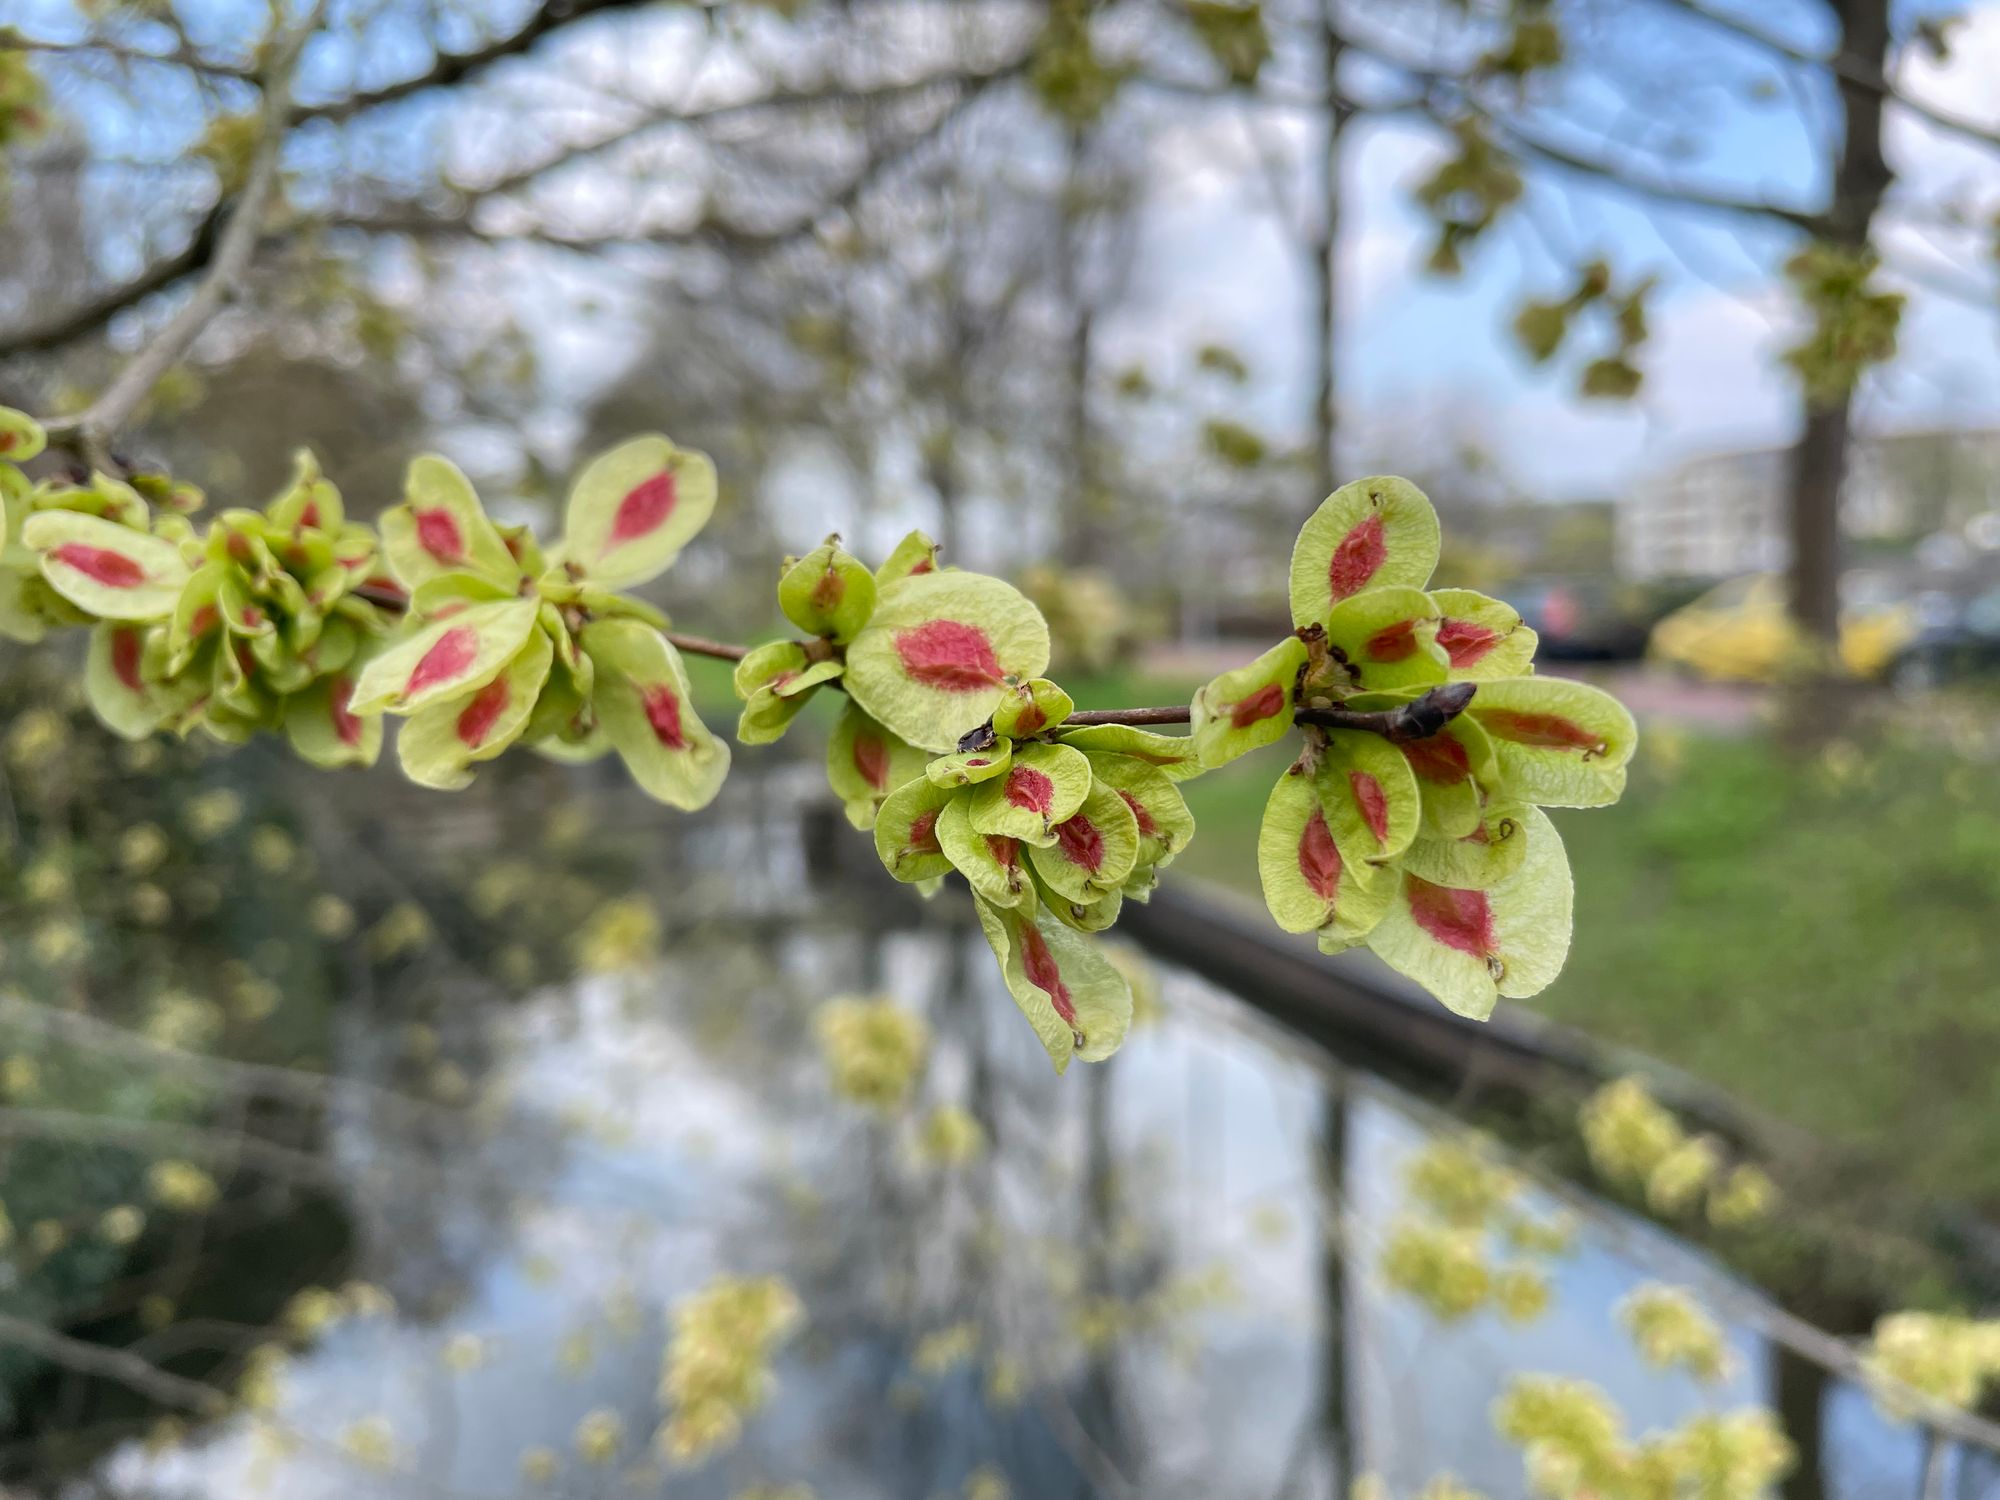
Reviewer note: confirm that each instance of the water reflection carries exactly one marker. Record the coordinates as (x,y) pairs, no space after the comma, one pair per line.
(1160,1280)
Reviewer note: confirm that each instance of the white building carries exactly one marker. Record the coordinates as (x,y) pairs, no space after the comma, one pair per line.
(1724,514)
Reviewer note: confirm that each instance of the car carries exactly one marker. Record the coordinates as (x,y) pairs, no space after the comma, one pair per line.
(1958,639)
(1741,631)
(1580,619)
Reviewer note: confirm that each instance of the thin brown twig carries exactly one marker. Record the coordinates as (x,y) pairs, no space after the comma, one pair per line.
(90,432)
(1418,719)
(701,645)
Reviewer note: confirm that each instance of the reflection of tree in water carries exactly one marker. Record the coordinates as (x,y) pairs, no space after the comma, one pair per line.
(241,1051)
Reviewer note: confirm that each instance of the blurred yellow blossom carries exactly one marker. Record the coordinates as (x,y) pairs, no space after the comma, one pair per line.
(213,813)
(599,1436)
(57,942)
(717,1368)
(1741,1196)
(329,917)
(36,738)
(312,1310)
(272,850)
(403,929)
(370,1441)
(620,936)
(142,849)
(874,1049)
(946,1348)
(950,1137)
(1627,1132)
(122,1224)
(463,1353)
(150,905)
(539,1465)
(1946,1358)
(1672,1331)
(181,1185)
(20,1077)
(1680,1178)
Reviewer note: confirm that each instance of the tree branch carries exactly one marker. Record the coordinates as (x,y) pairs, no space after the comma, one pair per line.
(91,432)
(449,68)
(1850,69)
(1418,719)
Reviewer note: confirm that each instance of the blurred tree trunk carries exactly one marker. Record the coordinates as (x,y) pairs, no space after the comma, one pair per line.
(1798,1395)
(1861,178)
(1325,250)
(1336,1401)
(1083,542)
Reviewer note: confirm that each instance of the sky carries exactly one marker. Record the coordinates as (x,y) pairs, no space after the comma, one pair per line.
(1425,359)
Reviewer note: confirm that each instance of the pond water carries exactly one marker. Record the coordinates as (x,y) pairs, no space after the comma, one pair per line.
(1135,1292)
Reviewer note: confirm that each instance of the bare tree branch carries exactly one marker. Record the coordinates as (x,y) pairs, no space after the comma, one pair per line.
(92,431)
(1851,69)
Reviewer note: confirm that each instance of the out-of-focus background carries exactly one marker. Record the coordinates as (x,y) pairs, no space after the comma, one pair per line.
(357,1140)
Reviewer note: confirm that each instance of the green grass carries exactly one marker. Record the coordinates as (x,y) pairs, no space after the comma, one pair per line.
(1817,932)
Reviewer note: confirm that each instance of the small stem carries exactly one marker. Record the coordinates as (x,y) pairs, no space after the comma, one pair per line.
(394,601)
(90,433)
(1091,716)
(1418,719)
(701,645)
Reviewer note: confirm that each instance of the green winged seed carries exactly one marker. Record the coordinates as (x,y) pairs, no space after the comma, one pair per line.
(633,508)
(775,661)
(1094,851)
(110,571)
(1307,885)
(442,528)
(1370,797)
(828,592)
(994,865)
(914,554)
(1482,638)
(1455,769)
(439,745)
(605,604)
(1248,707)
(1468,946)
(1558,743)
(446,658)
(970,767)
(438,596)
(939,652)
(767,716)
(1174,756)
(1369,534)
(1158,809)
(815,675)
(1482,859)
(1044,785)
(114,681)
(21,436)
(865,762)
(641,695)
(906,831)
(1387,638)
(325,732)
(310,502)
(1080,916)
(1031,707)
(1077,1001)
